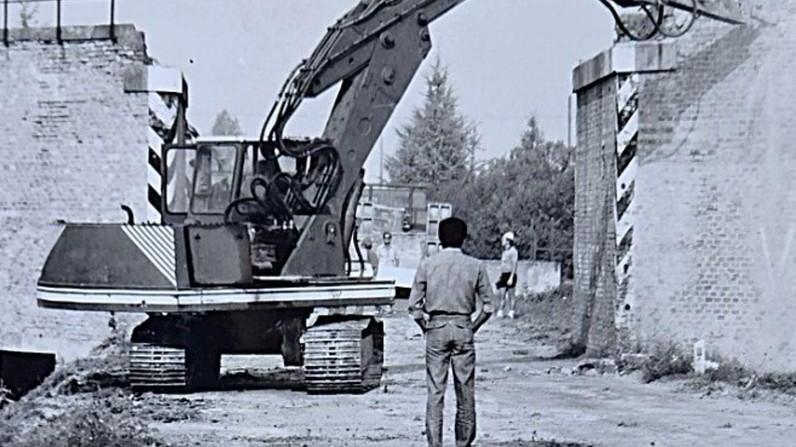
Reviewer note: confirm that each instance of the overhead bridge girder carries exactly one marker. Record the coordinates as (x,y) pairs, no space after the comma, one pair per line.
(728,11)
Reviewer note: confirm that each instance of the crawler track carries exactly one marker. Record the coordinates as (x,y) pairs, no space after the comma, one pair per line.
(157,367)
(344,357)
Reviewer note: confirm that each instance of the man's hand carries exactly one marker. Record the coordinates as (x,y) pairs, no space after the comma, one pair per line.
(480,320)
(422,323)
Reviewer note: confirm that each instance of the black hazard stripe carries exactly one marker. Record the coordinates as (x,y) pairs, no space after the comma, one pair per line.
(154,197)
(625,156)
(154,160)
(153,191)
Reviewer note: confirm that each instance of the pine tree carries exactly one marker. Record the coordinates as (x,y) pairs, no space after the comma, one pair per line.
(27,14)
(438,144)
(226,124)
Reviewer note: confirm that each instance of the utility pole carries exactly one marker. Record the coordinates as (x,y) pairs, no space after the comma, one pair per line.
(381,160)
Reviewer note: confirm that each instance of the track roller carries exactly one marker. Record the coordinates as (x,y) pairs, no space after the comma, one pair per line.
(344,356)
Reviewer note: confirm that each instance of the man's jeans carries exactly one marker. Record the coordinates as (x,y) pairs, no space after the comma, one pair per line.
(449,341)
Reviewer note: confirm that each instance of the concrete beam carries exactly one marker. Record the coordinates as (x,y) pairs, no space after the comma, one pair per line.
(125,34)
(154,78)
(625,57)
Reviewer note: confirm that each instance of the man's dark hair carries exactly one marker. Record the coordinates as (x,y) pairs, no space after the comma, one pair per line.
(452,232)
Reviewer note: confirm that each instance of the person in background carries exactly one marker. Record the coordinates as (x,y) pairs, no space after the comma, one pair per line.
(442,302)
(387,253)
(508,275)
(370,255)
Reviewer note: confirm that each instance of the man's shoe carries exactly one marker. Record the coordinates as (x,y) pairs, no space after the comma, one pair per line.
(500,314)
(511,314)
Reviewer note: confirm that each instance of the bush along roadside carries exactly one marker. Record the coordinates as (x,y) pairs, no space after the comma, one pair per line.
(733,373)
(661,361)
(669,360)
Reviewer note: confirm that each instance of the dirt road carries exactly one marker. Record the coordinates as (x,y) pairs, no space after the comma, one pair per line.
(519,397)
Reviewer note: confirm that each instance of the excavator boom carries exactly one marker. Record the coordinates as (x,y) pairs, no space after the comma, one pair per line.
(373,52)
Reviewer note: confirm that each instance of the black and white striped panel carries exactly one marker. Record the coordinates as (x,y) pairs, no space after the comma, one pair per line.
(156,242)
(162,121)
(626,168)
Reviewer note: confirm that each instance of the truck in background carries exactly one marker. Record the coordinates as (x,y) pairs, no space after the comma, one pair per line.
(405,212)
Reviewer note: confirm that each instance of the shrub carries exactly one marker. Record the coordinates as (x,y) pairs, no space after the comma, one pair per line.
(729,372)
(784,382)
(665,360)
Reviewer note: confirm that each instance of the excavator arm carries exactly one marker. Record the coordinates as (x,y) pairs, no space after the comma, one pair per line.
(348,46)
(373,52)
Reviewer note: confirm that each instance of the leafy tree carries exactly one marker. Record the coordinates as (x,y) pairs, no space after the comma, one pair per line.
(226,124)
(530,192)
(438,145)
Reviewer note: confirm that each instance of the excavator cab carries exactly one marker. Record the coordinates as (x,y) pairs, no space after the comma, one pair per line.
(214,175)
(236,180)
(201,180)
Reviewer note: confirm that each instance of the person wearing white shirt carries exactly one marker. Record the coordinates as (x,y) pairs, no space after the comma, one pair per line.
(508,275)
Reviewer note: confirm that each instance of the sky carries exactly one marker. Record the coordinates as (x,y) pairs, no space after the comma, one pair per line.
(507,59)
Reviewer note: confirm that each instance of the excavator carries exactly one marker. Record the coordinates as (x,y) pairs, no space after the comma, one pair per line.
(252,253)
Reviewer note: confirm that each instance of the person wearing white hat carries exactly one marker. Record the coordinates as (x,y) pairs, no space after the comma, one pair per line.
(508,275)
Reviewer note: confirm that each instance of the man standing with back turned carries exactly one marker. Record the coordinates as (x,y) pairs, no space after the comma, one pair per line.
(442,302)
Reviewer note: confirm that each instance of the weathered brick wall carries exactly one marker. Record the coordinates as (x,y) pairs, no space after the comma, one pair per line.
(714,217)
(713,247)
(72,147)
(594,251)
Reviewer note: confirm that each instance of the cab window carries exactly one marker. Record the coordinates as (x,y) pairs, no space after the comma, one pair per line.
(180,163)
(215,172)
(249,169)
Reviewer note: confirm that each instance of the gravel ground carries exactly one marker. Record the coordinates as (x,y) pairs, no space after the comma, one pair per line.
(524,399)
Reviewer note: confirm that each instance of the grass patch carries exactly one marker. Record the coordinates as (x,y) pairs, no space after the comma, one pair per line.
(548,314)
(668,360)
(731,372)
(782,382)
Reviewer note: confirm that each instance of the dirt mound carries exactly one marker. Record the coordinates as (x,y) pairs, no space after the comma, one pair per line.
(88,403)
(107,418)
(106,367)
